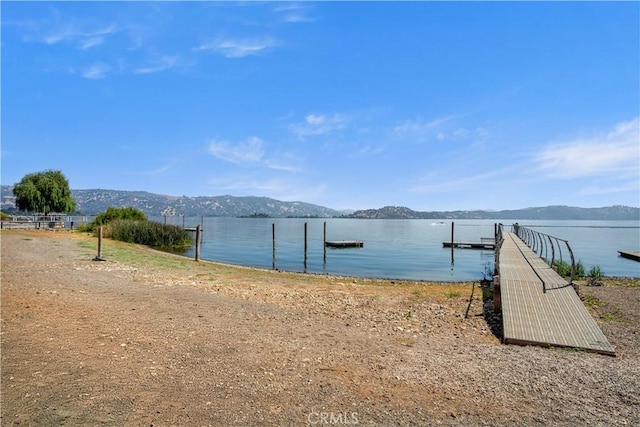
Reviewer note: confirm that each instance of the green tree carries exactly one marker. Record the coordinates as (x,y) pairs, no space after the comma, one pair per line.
(44,192)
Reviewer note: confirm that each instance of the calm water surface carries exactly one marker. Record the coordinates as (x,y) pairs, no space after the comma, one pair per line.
(400,249)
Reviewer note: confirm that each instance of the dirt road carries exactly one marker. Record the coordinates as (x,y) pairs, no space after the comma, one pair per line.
(147,338)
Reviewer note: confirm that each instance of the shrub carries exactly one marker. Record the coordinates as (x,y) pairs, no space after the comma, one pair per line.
(147,233)
(119,213)
(595,272)
(112,214)
(564,269)
(580,269)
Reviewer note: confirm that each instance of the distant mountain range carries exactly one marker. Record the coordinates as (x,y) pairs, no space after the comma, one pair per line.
(92,202)
(612,213)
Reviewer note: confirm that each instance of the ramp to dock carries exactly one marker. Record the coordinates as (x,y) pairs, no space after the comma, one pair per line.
(539,307)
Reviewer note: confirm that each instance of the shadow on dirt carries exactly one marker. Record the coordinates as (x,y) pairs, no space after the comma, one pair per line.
(492,317)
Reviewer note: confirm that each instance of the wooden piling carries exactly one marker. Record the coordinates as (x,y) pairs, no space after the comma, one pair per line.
(324,234)
(273,245)
(452,245)
(198,231)
(305,246)
(324,243)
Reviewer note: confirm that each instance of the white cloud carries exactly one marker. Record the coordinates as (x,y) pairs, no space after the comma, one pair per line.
(245,152)
(614,153)
(85,39)
(287,162)
(294,13)
(269,186)
(419,126)
(239,48)
(157,171)
(97,70)
(623,187)
(319,124)
(90,42)
(164,63)
(434,183)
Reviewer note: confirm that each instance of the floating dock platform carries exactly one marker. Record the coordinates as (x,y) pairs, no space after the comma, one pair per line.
(470,245)
(633,255)
(344,243)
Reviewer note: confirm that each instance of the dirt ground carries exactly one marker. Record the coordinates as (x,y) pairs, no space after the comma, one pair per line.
(148,338)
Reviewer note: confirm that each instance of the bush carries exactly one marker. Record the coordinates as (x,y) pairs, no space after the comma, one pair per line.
(147,233)
(119,213)
(580,269)
(595,272)
(564,269)
(112,214)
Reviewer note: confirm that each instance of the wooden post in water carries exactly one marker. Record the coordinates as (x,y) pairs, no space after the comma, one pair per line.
(305,247)
(273,244)
(452,245)
(324,243)
(198,231)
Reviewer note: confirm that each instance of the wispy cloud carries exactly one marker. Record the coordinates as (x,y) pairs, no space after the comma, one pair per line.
(614,152)
(245,152)
(165,62)
(287,162)
(434,183)
(157,171)
(420,126)
(68,33)
(268,186)
(319,124)
(97,70)
(439,129)
(90,42)
(239,48)
(294,13)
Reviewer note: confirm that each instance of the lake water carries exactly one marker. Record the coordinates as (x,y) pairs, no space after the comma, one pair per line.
(399,249)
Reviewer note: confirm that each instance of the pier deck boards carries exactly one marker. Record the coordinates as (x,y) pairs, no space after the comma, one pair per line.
(545,312)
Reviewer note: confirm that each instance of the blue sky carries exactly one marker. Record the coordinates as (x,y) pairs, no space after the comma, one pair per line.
(433,106)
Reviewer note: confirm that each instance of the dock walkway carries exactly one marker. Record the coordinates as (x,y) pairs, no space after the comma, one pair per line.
(539,307)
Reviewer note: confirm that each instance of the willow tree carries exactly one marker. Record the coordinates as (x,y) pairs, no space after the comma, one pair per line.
(44,192)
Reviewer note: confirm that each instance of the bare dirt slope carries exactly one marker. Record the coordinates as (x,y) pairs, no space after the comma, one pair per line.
(150,339)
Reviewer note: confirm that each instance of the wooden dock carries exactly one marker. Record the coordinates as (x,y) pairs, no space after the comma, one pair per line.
(470,245)
(633,255)
(539,307)
(344,244)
